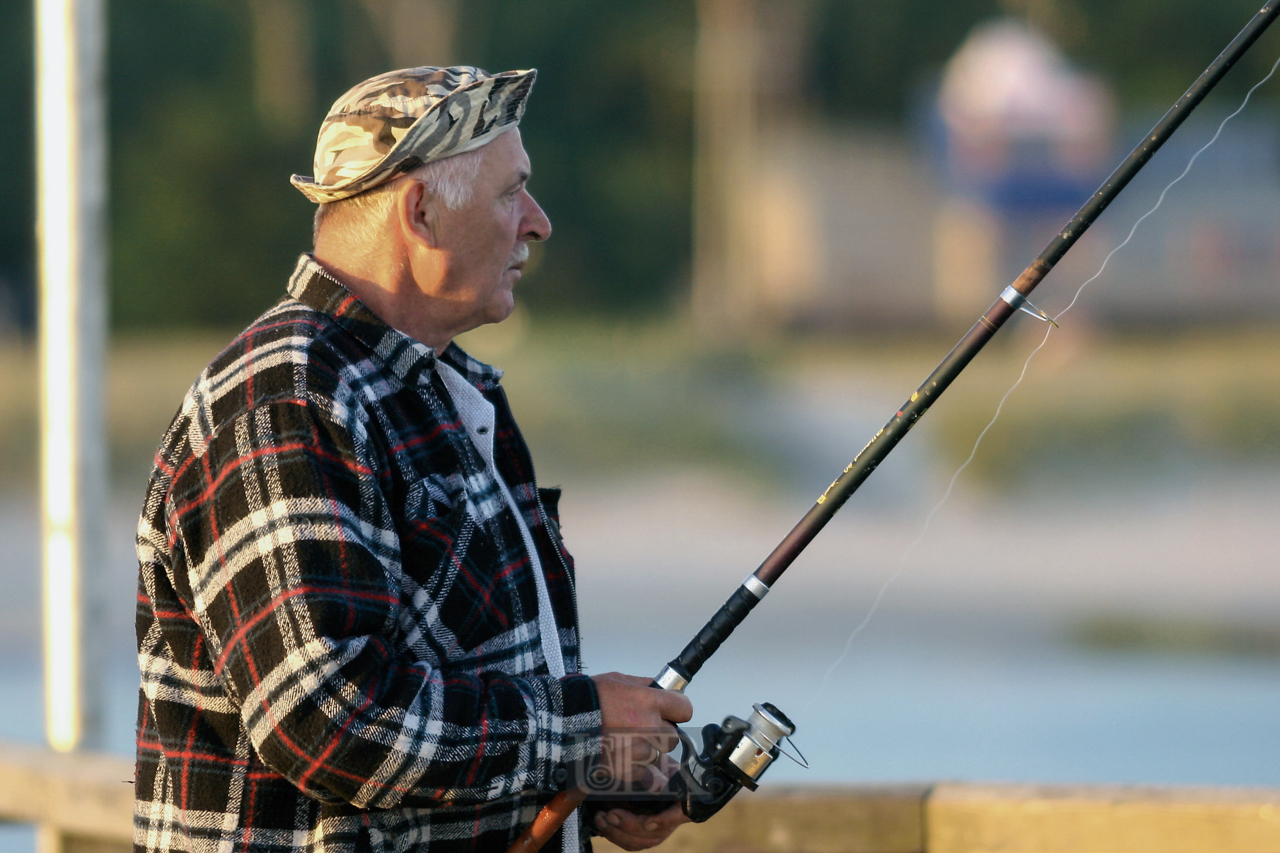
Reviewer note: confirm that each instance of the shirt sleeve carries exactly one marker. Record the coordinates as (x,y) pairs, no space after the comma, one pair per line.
(286,552)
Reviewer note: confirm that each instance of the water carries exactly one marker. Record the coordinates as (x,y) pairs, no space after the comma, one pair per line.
(926,711)
(969,671)
(927,698)
(22,702)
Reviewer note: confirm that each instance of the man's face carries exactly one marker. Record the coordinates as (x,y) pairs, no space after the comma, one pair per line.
(485,242)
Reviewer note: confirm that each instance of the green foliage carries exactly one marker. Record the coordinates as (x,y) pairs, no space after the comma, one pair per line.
(17,234)
(609,131)
(205,226)
(871,59)
(1153,49)
(1125,634)
(1116,411)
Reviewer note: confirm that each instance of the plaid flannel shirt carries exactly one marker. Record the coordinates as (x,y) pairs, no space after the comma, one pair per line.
(337,620)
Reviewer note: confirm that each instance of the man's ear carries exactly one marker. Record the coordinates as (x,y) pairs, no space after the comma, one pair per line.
(417,214)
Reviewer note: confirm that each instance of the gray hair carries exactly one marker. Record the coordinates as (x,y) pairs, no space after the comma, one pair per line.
(451,180)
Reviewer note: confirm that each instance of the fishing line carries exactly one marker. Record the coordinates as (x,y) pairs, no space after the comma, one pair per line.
(902,561)
(732,756)
(1172,183)
(924,529)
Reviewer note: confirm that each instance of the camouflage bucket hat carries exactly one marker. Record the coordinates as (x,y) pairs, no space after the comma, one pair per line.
(398,121)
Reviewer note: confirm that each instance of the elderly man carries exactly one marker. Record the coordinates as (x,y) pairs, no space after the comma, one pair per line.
(356,623)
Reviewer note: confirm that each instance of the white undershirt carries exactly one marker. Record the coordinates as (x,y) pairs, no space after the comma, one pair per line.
(477,415)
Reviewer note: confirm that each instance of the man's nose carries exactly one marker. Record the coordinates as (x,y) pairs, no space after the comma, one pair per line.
(535,226)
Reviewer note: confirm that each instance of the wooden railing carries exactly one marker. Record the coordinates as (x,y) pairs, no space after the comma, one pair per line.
(78,803)
(969,818)
(84,804)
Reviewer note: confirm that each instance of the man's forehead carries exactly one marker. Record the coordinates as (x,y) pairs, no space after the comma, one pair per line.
(506,155)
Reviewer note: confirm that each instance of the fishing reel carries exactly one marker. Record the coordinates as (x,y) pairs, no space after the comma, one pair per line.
(734,756)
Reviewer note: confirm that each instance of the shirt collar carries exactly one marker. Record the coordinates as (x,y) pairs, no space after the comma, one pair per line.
(409,359)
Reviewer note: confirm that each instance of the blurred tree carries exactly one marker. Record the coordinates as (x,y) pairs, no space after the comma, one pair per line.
(417,32)
(204,134)
(871,59)
(610,134)
(1152,50)
(204,223)
(284,77)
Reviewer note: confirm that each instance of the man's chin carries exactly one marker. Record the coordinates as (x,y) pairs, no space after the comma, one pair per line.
(502,309)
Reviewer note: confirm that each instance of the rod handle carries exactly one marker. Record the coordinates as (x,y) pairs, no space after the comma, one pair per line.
(552,816)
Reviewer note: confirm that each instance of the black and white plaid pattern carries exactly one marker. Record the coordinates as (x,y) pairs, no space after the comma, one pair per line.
(337,620)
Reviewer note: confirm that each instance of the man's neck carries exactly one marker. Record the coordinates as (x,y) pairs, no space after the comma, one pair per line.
(380,292)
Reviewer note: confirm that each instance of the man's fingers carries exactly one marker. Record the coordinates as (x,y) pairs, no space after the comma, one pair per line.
(657,778)
(627,701)
(643,752)
(675,707)
(663,742)
(638,722)
(637,832)
(643,826)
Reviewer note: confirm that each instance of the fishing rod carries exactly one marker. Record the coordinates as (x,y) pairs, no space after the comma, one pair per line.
(736,753)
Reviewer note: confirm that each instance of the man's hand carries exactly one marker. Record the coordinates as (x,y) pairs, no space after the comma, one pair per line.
(631,831)
(639,832)
(628,703)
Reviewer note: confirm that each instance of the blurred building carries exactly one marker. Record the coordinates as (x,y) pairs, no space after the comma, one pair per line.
(807,224)
(1212,252)
(797,223)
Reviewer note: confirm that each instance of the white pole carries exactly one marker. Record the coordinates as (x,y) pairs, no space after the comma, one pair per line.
(71,167)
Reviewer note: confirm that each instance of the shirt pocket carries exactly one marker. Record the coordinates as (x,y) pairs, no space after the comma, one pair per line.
(458,594)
